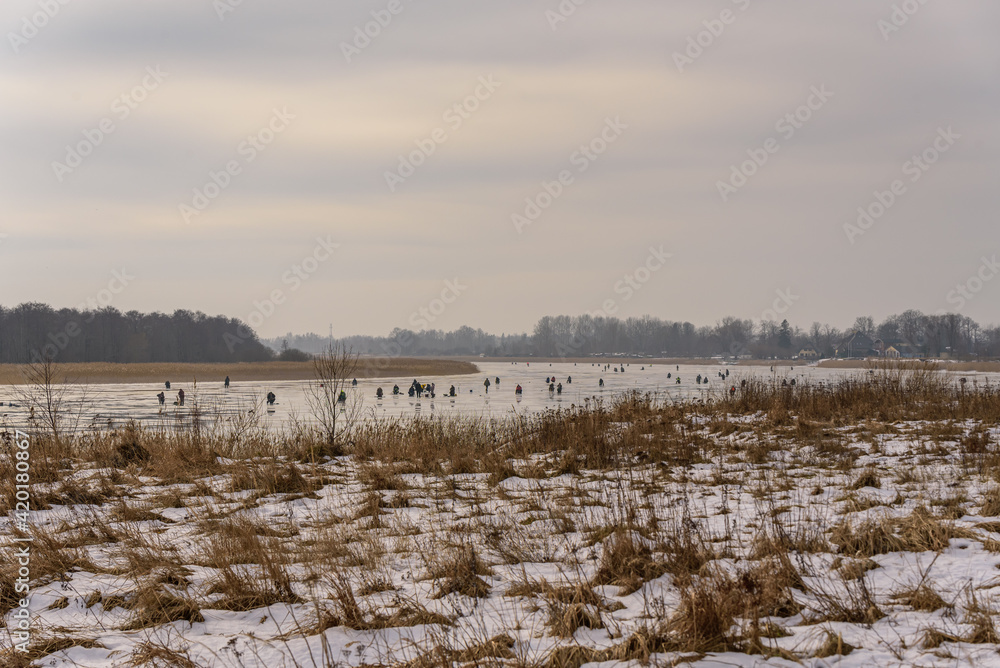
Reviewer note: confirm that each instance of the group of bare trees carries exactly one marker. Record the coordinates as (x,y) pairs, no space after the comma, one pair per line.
(566,336)
(35,332)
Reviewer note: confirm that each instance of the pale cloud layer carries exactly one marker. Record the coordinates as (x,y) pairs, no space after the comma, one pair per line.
(343,125)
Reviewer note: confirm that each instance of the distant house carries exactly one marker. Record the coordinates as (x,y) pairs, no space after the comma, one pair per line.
(893,353)
(906,350)
(857,346)
(808,354)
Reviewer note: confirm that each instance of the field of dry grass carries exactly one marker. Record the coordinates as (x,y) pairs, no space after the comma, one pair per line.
(100,372)
(856,524)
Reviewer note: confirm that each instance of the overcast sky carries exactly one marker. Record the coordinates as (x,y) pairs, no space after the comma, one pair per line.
(114,113)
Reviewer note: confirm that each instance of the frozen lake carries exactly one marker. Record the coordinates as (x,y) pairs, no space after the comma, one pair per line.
(100,406)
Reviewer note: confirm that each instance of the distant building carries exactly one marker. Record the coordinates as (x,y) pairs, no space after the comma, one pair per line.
(893,353)
(808,354)
(857,346)
(906,350)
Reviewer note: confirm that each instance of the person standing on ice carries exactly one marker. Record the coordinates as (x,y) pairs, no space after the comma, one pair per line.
(227,382)
(180,397)
(162,397)
(486,384)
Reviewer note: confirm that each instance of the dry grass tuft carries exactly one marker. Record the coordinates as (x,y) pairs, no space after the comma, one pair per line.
(459,572)
(626,563)
(921,598)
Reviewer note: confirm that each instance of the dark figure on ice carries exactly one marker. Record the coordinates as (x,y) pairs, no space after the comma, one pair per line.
(271,398)
(227,382)
(486,384)
(395,389)
(559,388)
(378,393)
(162,397)
(451,392)
(167,384)
(342,398)
(180,397)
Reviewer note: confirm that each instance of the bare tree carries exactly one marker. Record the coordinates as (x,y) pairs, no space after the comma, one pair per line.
(335,409)
(45,397)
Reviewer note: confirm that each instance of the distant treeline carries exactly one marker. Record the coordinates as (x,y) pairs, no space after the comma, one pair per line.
(567,336)
(33,332)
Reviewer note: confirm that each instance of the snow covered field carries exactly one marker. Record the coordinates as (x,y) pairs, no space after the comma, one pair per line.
(633,533)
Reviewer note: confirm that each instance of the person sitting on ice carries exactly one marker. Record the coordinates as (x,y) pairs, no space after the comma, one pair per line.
(451,392)
(378,393)
(601,383)
(270,398)
(162,397)
(343,397)
(559,388)
(395,389)
(518,390)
